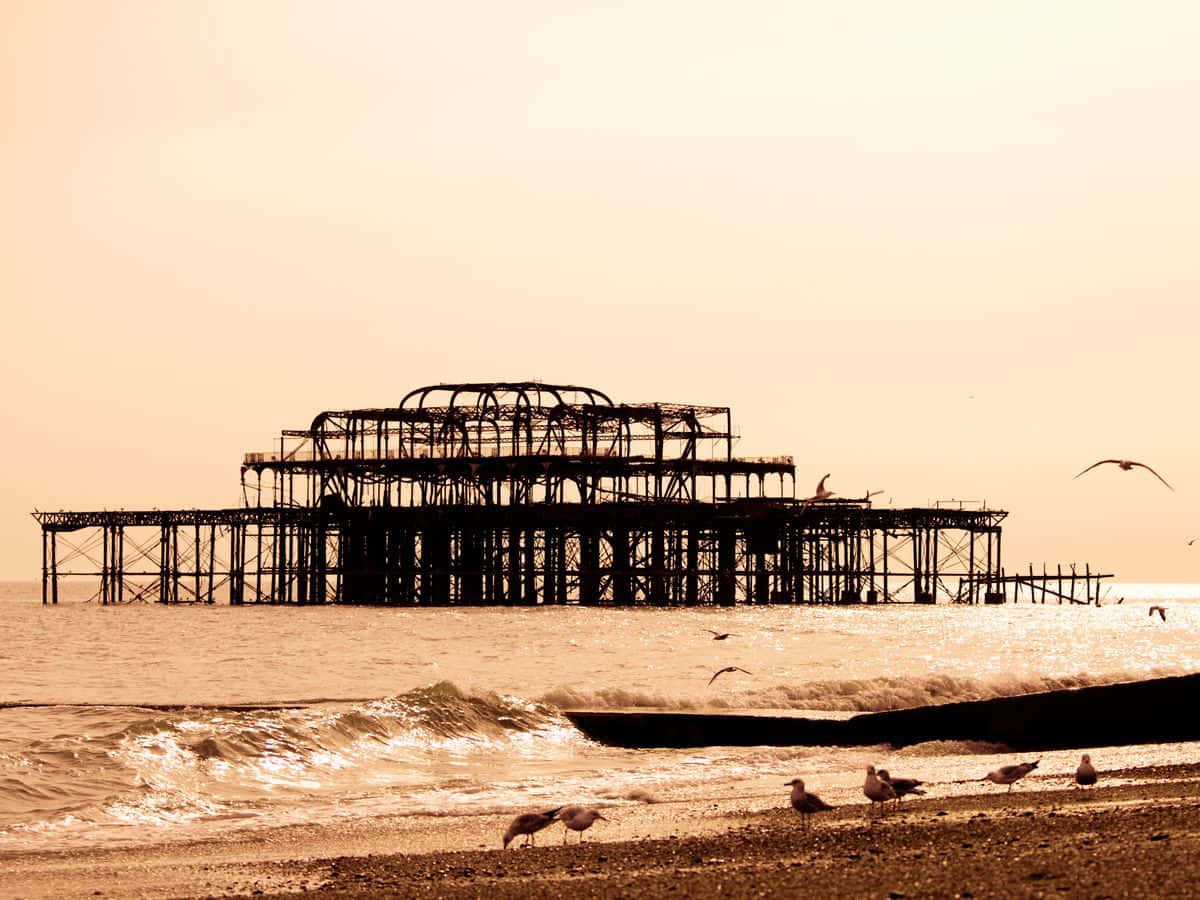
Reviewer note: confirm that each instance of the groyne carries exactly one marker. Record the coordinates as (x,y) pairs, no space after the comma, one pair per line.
(1141,712)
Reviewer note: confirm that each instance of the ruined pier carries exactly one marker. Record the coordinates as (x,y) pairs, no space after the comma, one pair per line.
(526,493)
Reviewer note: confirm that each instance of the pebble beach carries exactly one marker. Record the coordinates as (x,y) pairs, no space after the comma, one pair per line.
(1137,836)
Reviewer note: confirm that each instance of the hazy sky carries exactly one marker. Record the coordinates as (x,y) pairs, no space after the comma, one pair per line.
(942,249)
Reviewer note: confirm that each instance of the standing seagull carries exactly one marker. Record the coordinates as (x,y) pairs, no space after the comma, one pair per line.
(877,791)
(805,803)
(720,635)
(901,786)
(1010,774)
(1126,465)
(528,823)
(727,669)
(578,818)
(1085,775)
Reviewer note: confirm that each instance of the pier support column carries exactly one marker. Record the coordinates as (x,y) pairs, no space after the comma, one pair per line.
(622,579)
(726,564)
(589,567)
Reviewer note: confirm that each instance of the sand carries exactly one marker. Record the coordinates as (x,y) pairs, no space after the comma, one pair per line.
(1135,839)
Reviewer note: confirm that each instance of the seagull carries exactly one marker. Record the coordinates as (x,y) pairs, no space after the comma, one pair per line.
(901,786)
(1009,774)
(805,803)
(1085,775)
(1126,465)
(1161,610)
(821,493)
(1192,541)
(578,818)
(528,823)
(877,791)
(720,635)
(728,669)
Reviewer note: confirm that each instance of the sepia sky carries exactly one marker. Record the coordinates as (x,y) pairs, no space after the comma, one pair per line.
(940,249)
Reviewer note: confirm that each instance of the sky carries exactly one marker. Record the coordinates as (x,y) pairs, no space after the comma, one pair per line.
(939,249)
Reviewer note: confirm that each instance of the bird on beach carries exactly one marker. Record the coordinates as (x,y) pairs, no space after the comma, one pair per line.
(877,791)
(720,635)
(1161,610)
(1010,774)
(529,823)
(578,818)
(902,786)
(805,803)
(1125,465)
(728,669)
(1085,775)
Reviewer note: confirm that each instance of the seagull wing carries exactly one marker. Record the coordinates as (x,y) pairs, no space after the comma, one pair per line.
(740,669)
(1152,472)
(710,631)
(719,672)
(1100,463)
(821,484)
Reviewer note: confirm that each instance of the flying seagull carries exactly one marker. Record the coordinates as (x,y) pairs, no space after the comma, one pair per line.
(720,635)
(1010,774)
(1126,465)
(727,669)
(821,493)
(1161,610)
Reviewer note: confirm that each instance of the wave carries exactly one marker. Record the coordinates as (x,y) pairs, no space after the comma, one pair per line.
(850,695)
(142,765)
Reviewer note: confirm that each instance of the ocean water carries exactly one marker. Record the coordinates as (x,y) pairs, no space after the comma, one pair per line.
(134,724)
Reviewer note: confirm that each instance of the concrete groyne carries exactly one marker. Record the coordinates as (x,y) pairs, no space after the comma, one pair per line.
(1142,712)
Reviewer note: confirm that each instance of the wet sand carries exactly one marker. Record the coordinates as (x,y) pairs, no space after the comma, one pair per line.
(1120,840)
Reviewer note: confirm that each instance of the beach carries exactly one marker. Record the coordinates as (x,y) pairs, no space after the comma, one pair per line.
(1136,835)
(397,767)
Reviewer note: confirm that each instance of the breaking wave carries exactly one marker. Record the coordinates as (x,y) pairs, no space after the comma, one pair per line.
(850,695)
(113,765)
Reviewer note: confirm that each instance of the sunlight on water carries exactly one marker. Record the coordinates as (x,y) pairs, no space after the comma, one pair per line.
(371,711)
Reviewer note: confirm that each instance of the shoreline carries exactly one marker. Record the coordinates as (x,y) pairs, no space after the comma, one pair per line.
(1123,839)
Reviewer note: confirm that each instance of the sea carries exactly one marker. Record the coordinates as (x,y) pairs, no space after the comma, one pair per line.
(135,724)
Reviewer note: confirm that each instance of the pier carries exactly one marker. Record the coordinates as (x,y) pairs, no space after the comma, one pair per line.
(526,493)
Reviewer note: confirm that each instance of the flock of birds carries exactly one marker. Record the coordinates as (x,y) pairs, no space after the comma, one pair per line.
(880,787)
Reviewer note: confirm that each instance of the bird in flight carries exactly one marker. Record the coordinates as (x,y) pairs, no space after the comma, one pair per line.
(1192,541)
(1161,610)
(727,669)
(1126,465)
(720,635)
(821,493)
